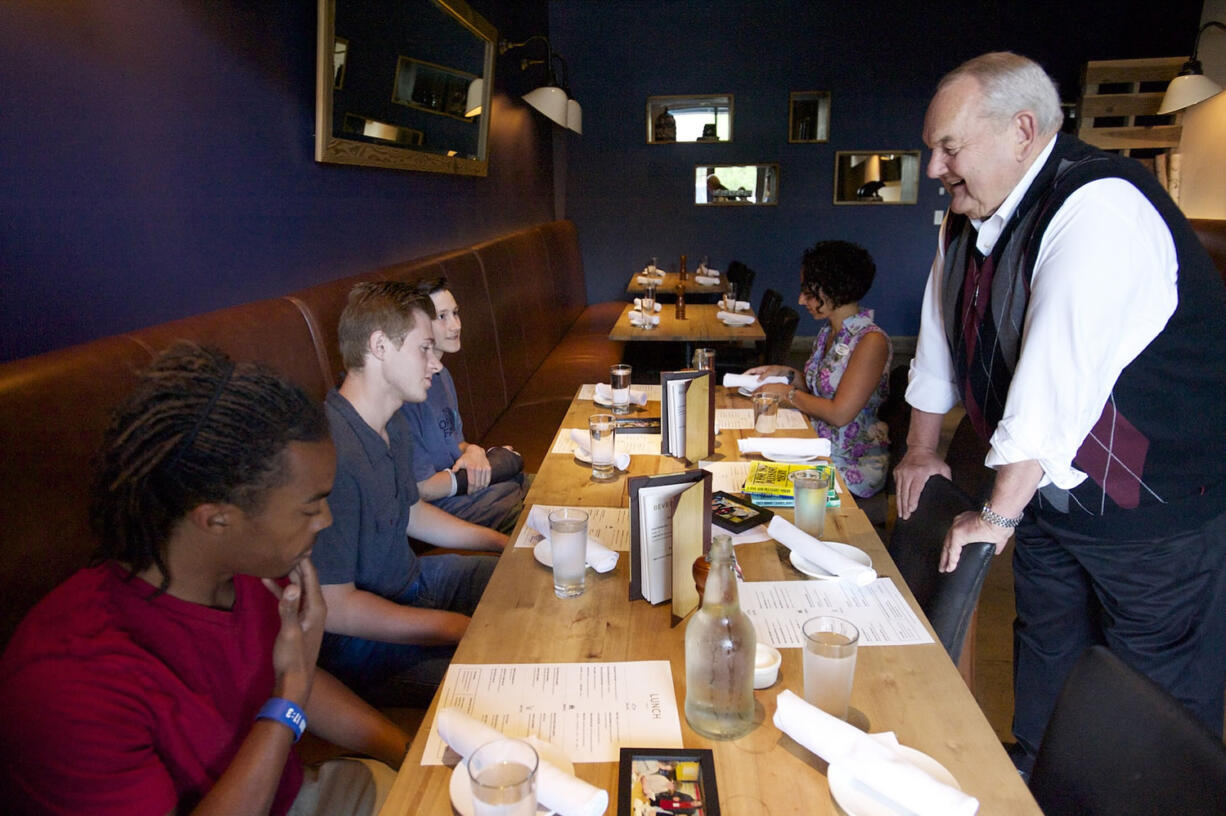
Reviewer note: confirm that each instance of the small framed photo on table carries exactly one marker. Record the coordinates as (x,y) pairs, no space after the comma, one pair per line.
(662,781)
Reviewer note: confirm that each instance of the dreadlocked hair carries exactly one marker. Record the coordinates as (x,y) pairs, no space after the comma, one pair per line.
(198,429)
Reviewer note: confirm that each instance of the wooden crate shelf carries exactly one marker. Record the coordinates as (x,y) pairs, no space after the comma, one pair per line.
(1111,90)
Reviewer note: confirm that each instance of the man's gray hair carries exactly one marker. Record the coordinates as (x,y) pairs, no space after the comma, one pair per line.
(1010,84)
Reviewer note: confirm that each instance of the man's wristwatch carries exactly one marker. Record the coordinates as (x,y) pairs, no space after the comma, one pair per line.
(996,519)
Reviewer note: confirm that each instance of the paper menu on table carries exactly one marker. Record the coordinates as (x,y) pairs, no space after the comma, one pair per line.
(727,476)
(635,444)
(789,419)
(778,609)
(587,391)
(589,710)
(734,419)
(608,525)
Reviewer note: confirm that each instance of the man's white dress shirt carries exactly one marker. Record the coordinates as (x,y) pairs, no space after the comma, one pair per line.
(1103,288)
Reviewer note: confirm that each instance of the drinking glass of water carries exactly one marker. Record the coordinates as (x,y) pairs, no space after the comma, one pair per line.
(619,381)
(603,430)
(503,775)
(811,488)
(568,550)
(830,663)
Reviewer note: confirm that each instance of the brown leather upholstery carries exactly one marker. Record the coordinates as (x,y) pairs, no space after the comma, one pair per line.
(519,296)
(54,409)
(1212,233)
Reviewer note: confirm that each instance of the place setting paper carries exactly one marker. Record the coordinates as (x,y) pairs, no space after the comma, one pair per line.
(736,419)
(587,391)
(779,609)
(635,444)
(588,710)
(608,525)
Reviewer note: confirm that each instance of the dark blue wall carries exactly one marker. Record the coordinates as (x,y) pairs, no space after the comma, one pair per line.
(880,60)
(156,161)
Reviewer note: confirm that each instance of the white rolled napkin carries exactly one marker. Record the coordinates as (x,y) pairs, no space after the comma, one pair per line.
(750,382)
(706,280)
(816,551)
(557,790)
(604,393)
(599,557)
(741,305)
(735,319)
(781,446)
(583,440)
(638,304)
(874,763)
(636,318)
(645,280)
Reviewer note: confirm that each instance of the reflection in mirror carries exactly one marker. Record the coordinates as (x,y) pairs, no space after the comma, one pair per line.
(394,80)
(736,184)
(809,116)
(882,177)
(339,49)
(689,118)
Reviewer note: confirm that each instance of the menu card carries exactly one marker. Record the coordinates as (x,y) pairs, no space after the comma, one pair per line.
(589,710)
(669,529)
(778,609)
(687,413)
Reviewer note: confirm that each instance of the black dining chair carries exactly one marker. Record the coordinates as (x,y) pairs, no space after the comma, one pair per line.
(947,598)
(742,276)
(1119,744)
(779,335)
(771,301)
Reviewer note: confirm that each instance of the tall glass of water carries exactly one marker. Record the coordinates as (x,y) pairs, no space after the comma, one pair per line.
(603,430)
(568,550)
(619,380)
(649,306)
(503,777)
(830,663)
(811,488)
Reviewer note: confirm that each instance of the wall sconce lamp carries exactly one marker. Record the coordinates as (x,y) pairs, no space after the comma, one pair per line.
(1191,85)
(476,90)
(552,98)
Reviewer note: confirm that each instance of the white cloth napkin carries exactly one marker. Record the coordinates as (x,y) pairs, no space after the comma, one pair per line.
(583,441)
(636,318)
(604,393)
(872,762)
(741,306)
(706,280)
(599,557)
(645,280)
(771,446)
(638,304)
(811,549)
(735,319)
(750,382)
(555,788)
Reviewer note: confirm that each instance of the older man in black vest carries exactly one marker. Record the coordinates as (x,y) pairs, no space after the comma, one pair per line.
(1073,312)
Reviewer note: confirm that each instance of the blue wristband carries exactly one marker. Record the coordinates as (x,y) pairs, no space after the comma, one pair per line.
(288,713)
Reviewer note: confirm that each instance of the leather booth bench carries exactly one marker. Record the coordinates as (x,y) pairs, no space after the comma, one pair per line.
(529,341)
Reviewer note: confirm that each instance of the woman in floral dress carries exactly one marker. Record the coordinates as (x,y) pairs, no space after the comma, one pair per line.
(847,376)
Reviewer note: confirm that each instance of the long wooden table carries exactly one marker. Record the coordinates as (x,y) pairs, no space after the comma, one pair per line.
(699,325)
(667,285)
(914,691)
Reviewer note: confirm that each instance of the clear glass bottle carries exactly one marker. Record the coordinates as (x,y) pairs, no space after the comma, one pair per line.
(719,654)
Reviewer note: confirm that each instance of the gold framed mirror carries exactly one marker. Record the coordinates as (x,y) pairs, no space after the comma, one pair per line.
(876,176)
(736,184)
(689,118)
(395,81)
